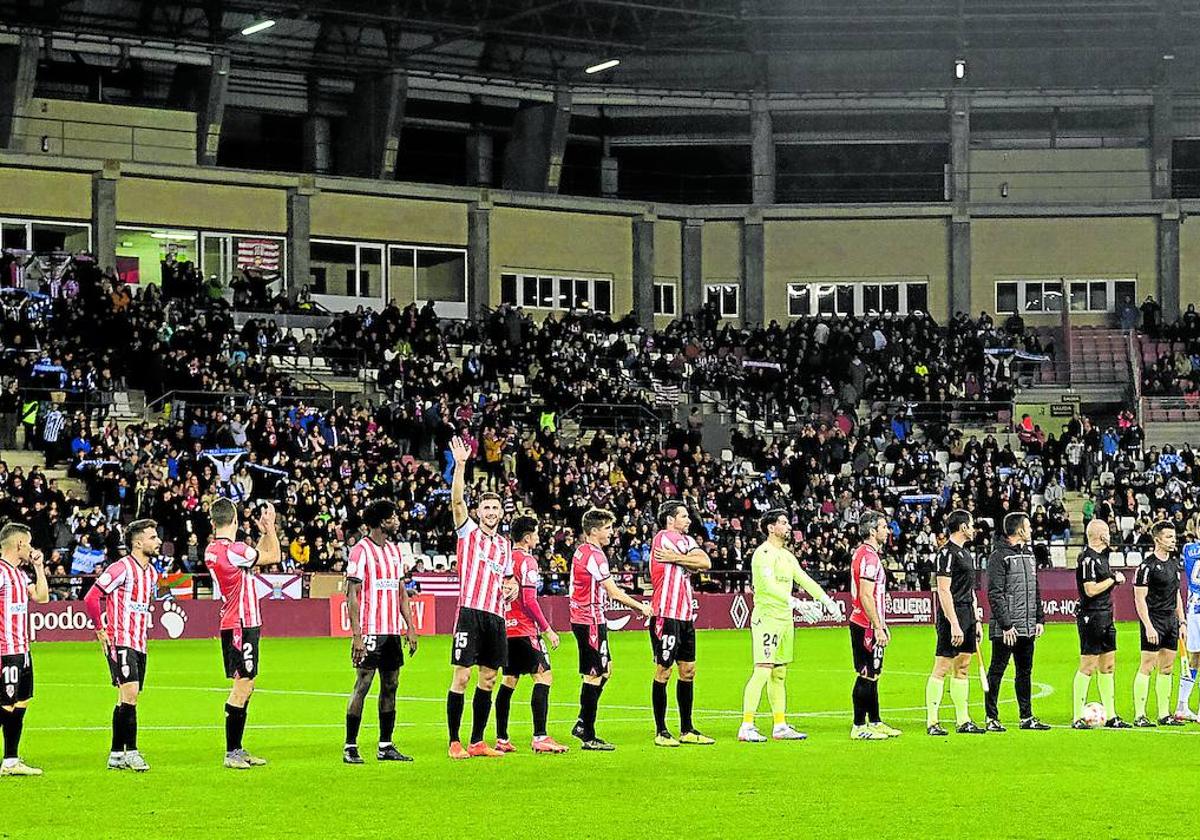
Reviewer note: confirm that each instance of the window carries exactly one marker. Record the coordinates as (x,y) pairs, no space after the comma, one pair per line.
(1101,295)
(225,254)
(1046,296)
(421,274)
(898,297)
(724,296)
(347,269)
(559,293)
(142,253)
(664,299)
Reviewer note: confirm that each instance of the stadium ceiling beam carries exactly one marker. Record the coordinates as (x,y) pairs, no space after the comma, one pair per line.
(483,28)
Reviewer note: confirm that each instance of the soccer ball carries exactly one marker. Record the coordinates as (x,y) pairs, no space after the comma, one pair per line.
(1093,715)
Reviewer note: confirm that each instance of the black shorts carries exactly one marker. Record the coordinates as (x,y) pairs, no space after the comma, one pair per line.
(1167,625)
(1097,633)
(126,665)
(383,653)
(16,678)
(868,656)
(592,640)
(672,640)
(479,639)
(526,655)
(945,647)
(240,650)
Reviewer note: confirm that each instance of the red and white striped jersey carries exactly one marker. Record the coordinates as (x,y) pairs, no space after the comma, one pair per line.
(483,564)
(14,598)
(672,584)
(589,570)
(129,602)
(518,621)
(866,565)
(232,566)
(380,571)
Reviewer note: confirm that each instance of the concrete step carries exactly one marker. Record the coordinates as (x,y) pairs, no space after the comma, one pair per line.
(1175,434)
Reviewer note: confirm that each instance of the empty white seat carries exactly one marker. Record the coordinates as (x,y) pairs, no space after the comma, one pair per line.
(1133,558)
(727,455)
(1127,524)
(1058,555)
(942,458)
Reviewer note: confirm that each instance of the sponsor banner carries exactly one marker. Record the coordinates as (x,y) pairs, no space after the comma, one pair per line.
(424,610)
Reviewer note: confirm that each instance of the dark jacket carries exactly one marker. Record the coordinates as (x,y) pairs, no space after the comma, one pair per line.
(1013,590)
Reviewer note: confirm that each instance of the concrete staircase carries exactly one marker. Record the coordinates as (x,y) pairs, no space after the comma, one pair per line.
(72,487)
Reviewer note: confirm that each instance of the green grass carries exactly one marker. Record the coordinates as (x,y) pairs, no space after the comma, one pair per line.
(1021,784)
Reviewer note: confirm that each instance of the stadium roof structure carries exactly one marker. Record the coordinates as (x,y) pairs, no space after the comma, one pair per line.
(738,47)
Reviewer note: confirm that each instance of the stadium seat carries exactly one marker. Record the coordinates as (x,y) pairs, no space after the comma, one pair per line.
(1058,555)
(1133,558)
(727,455)
(1127,524)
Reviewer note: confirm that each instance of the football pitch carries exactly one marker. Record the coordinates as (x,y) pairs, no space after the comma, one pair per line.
(1060,783)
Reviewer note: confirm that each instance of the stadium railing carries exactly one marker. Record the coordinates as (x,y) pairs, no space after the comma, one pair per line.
(1185,409)
(615,417)
(964,412)
(93,403)
(231,400)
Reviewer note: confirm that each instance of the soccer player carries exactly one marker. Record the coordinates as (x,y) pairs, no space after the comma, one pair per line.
(1187,674)
(16,666)
(957,627)
(674,557)
(377,603)
(121,604)
(591,586)
(1160,614)
(868,630)
(485,570)
(772,632)
(231,563)
(1097,632)
(1017,621)
(527,653)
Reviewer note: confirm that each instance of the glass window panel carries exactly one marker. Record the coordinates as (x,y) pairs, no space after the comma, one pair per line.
(603,301)
(529,290)
(890,298)
(668,292)
(441,276)
(49,238)
(917,295)
(825,300)
(1033,297)
(337,262)
(1006,297)
(370,268)
(402,276)
(1052,297)
(870,297)
(582,289)
(1079,297)
(13,235)
(729,301)
(212,258)
(1124,291)
(712,297)
(508,289)
(1098,297)
(546,292)
(798,299)
(845,299)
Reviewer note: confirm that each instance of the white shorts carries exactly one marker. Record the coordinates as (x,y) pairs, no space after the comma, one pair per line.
(1193,629)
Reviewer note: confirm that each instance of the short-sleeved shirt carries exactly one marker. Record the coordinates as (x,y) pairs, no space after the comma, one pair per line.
(1093,568)
(129,602)
(484,561)
(232,566)
(14,610)
(1191,571)
(866,565)
(1161,579)
(589,570)
(518,621)
(672,584)
(380,571)
(958,564)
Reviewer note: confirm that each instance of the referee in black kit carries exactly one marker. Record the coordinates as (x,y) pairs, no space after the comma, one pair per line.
(1016,601)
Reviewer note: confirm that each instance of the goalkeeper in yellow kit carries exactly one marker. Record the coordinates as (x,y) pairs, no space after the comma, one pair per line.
(776,570)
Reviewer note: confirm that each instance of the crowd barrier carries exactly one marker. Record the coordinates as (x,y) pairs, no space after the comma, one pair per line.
(433,614)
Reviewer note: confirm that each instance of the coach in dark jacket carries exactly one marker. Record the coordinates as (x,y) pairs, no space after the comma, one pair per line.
(1016,604)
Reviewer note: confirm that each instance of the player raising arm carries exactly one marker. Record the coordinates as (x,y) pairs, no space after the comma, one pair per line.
(772,631)
(485,573)
(377,602)
(232,563)
(121,604)
(16,665)
(591,586)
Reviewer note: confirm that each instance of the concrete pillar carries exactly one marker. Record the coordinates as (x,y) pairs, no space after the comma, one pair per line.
(958,104)
(480,159)
(371,145)
(317,141)
(18,76)
(1168,265)
(479,263)
(762,153)
(104,216)
(1162,140)
(299,232)
(643,271)
(534,156)
(211,112)
(753,275)
(691,266)
(610,177)
(960,268)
